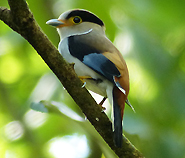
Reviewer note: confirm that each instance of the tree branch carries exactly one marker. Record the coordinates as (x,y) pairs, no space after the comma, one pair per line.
(21,20)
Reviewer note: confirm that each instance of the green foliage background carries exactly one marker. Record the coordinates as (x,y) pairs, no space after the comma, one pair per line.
(151,36)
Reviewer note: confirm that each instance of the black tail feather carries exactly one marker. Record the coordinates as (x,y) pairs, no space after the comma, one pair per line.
(118,137)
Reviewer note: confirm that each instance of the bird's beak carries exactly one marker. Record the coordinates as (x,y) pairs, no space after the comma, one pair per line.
(55,22)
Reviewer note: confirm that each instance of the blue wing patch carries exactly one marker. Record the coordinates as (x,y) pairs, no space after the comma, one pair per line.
(102,65)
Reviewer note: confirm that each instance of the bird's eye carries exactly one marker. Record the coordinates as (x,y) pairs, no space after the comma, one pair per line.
(77,20)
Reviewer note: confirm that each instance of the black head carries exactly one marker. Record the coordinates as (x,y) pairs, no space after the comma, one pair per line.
(86,16)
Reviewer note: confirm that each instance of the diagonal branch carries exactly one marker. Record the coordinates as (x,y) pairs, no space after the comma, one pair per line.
(20,19)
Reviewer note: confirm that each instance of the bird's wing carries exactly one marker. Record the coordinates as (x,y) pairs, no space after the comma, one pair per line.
(93,58)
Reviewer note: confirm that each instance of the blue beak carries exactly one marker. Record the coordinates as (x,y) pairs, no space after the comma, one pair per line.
(54,22)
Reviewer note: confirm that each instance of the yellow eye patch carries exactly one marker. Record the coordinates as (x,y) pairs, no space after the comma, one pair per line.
(76,20)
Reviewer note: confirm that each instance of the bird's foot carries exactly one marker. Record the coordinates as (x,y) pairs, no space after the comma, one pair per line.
(82,79)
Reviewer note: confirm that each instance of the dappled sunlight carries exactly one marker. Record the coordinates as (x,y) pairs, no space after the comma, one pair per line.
(34,119)
(119,17)
(72,146)
(5,46)
(124,43)
(14,130)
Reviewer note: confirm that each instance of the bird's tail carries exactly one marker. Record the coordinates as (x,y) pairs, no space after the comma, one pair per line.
(118,108)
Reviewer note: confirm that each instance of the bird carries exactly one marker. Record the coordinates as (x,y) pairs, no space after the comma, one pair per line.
(97,62)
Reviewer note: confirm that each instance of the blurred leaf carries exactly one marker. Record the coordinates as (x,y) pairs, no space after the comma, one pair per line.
(56,108)
(42,107)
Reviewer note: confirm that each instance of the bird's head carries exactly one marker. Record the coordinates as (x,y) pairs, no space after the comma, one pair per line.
(77,22)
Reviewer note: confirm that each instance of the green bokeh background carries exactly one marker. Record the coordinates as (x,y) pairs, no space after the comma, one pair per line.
(151,37)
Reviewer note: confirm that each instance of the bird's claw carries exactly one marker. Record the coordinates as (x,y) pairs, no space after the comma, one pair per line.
(84,83)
